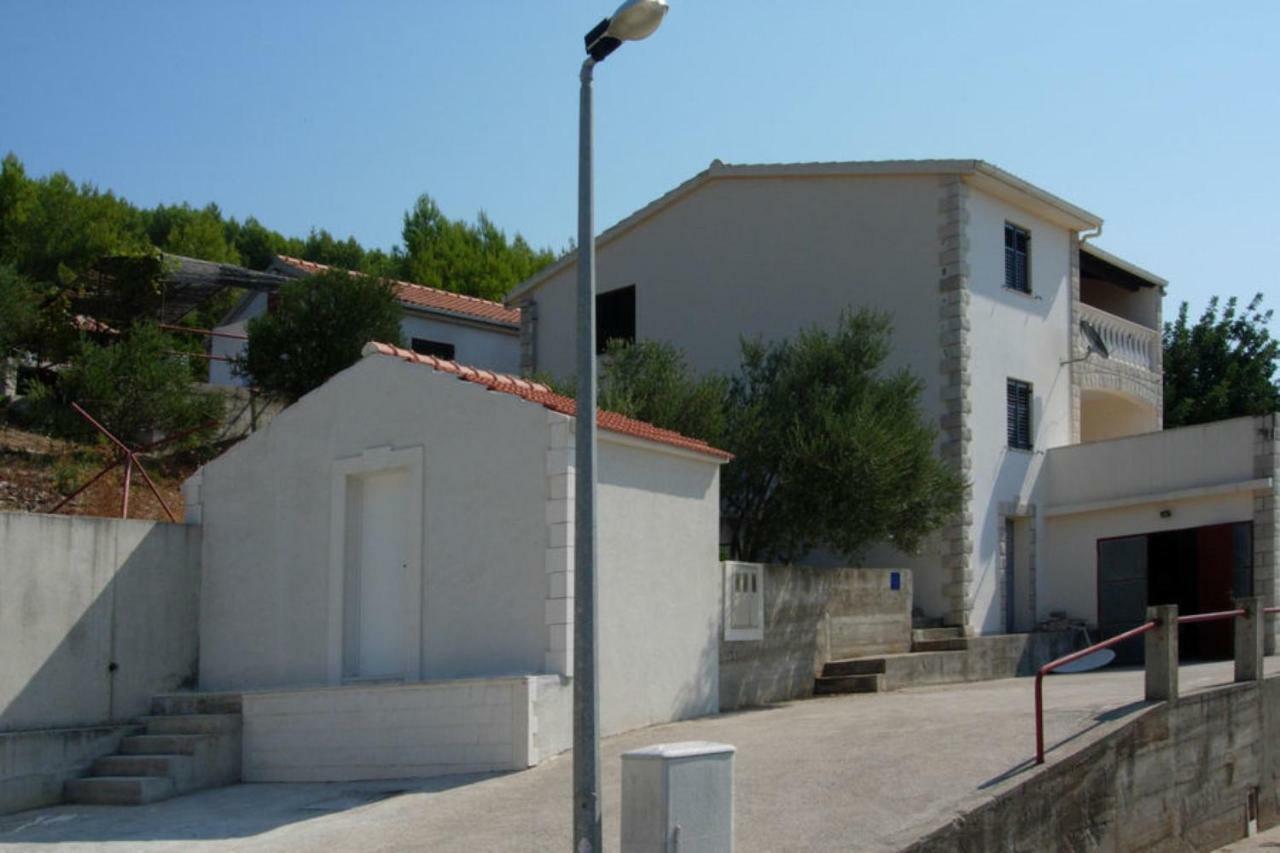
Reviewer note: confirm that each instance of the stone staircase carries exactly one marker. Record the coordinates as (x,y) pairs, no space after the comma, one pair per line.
(937,656)
(190,741)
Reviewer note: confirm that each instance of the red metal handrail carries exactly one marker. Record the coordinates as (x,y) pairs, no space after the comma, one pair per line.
(1215,616)
(1189,619)
(1075,656)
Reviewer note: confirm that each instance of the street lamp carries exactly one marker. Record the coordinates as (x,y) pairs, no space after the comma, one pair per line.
(634,20)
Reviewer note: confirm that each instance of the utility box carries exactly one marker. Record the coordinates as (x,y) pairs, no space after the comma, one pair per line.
(678,797)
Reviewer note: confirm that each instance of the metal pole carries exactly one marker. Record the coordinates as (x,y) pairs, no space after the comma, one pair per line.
(587,835)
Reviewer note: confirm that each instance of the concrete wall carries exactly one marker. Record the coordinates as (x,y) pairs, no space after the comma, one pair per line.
(1177,778)
(812,616)
(96,616)
(34,764)
(402,731)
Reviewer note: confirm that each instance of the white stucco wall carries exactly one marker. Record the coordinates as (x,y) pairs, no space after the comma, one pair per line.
(659,586)
(1068,574)
(768,257)
(494,514)
(1104,415)
(1200,475)
(266,514)
(400,731)
(1012,336)
(1205,455)
(475,344)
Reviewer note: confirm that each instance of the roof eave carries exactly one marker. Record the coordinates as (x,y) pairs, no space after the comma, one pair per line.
(978,172)
(1131,268)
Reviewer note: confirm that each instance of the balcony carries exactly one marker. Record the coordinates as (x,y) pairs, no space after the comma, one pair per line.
(1127,342)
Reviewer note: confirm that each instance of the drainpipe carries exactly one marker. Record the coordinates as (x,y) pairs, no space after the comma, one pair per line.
(1089,235)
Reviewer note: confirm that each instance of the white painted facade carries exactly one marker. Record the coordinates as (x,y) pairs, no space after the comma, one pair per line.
(483,485)
(483,345)
(764,251)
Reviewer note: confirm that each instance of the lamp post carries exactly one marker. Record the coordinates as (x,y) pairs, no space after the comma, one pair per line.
(633,20)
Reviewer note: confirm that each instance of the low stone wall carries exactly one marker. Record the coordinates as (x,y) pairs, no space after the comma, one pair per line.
(1179,777)
(813,615)
(34,764)
(397,731)
(987,658)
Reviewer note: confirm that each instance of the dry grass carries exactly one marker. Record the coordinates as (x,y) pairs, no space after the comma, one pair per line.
(36,472)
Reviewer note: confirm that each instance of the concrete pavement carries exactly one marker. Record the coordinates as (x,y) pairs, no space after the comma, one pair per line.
(863,772)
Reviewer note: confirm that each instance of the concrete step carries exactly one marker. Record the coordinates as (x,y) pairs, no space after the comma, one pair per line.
(919,635)
(853,666)
(191,724)
(951,645)
(829,685)
(162,744)
(174,766)
(173,704)
(118,790)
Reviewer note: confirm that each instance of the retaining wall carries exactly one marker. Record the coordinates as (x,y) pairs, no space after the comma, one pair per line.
(96,616)
(1179,777)
(813,615)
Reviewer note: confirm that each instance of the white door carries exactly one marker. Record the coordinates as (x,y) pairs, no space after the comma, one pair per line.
(379,587)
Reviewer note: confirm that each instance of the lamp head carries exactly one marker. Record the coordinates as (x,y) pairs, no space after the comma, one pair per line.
(634,20)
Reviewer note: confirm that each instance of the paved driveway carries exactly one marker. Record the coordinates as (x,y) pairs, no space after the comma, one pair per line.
(867,772)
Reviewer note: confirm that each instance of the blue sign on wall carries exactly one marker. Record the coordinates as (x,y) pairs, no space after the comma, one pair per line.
(895,580)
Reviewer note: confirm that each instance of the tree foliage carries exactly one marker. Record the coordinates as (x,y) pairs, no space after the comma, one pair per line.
(135,386)
(17,309)
(830,451)
(318,328)
(651,381)
(475,259)
(1223,366)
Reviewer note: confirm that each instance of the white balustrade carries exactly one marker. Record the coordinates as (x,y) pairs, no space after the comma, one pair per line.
(1128,342)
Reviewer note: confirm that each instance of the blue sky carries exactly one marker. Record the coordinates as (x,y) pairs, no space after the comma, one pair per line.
(1162,117)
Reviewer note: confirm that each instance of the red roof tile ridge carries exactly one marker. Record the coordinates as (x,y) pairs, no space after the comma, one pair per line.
(488,308)
(536,392)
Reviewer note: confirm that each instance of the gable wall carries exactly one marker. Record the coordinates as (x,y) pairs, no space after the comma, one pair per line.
(266,507)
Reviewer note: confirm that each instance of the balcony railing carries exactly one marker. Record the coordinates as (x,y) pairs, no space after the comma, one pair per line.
(1128,342)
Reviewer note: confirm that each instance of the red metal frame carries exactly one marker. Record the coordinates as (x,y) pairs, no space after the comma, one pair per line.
(235,336)
(130,458)
(1189,619)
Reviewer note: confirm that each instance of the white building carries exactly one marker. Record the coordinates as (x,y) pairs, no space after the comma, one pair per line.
(992,288)
(387,574)
(435,322)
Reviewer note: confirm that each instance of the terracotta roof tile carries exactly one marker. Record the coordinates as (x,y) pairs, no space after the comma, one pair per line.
(536,392)
(431,298)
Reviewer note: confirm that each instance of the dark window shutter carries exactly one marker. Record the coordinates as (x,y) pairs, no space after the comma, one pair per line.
(1018,399)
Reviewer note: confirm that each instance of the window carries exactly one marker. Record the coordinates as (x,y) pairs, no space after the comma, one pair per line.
(616,316)
(439,349)
(1017,258)
(1018,396)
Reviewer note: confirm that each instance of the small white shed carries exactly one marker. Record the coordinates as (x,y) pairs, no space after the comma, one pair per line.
(387,574)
